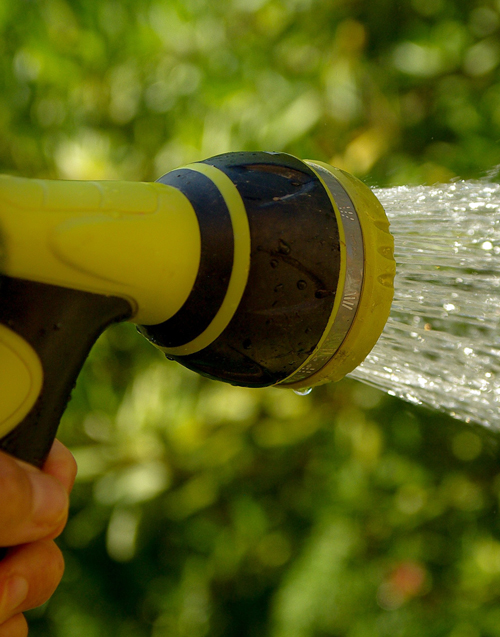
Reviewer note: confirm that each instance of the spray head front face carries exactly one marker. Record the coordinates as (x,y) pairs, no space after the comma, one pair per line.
(296,272)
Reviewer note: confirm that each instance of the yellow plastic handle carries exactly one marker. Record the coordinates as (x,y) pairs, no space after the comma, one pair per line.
(139,241)
(21,378)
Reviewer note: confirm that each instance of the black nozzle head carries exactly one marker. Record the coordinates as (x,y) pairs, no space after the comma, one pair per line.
(292,281)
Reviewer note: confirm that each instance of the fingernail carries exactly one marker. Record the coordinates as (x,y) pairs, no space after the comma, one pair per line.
(50,499)
(15,592)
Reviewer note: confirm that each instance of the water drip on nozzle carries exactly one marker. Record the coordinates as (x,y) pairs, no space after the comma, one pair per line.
(303,392)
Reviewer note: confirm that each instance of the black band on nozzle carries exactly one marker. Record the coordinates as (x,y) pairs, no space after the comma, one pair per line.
(216,260)
(293,279)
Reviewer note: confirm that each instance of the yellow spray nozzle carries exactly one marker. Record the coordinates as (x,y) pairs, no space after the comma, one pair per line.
(256,269)
(320,280)
(368,290)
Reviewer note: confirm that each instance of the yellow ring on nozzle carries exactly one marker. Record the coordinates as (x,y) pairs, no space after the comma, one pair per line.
(378,284)
(241,262)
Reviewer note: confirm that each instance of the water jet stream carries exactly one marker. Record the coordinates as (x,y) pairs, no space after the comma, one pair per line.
(441,344)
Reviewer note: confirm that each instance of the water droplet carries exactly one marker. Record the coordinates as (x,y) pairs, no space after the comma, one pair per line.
(321,294)
(274,263)
(284,248)
(301,285)
(303,392)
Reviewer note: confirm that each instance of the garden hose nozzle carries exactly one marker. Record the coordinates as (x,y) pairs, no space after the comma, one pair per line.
(253,268)
(303,281)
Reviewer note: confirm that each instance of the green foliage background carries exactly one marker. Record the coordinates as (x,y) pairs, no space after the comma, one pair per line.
(207,510)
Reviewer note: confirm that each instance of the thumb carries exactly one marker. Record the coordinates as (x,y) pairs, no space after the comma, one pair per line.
(33,503)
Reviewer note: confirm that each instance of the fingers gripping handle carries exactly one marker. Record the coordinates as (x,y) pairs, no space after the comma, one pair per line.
(46,333)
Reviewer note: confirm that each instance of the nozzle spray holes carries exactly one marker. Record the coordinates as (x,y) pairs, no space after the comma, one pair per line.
(321,294)
(284,248)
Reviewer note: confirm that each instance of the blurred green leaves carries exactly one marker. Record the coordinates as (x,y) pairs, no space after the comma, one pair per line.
(398,90)
(207,510)
(211,510)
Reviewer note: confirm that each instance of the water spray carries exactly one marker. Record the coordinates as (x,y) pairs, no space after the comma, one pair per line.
(441,344)
(257,269)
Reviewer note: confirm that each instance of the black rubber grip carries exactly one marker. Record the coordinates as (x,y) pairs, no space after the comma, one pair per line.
(61,325)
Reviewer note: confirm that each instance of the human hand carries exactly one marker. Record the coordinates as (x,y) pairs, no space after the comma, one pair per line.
(33,511)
